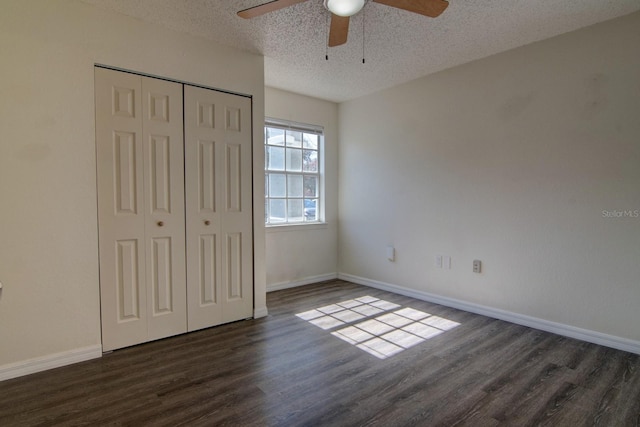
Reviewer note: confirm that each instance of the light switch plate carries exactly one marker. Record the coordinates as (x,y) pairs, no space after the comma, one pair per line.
(439,261)
(391,253)
(446,262)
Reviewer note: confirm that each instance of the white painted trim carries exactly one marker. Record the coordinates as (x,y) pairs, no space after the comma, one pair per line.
(260,312)
(31,366)
(301,282)
(296,226)
(612,341)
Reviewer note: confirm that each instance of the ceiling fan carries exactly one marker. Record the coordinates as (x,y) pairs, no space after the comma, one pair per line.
(342,10)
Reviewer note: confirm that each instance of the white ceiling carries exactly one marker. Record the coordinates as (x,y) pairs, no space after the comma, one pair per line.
(399,46)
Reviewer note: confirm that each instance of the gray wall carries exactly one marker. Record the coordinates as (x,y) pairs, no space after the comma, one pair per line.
(306,253)
(50,305)
(511,160)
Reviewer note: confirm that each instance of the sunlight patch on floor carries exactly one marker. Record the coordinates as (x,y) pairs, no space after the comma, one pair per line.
(383,329)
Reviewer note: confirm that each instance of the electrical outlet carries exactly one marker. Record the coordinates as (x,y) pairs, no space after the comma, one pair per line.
(439,261)
(477,266)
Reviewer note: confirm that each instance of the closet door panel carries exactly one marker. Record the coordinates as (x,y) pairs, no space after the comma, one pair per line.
(207,276)
(236,219)
(120,176)
(202,201)
(164,220)
(218,207)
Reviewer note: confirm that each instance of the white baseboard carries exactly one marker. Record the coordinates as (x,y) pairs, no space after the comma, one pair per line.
(306,281)
(31,366)
(260,312)
(612,341)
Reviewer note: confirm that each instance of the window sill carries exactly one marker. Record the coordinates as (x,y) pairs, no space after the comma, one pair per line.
(296,227)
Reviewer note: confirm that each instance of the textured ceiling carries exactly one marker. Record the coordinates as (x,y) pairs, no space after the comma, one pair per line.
(399,46)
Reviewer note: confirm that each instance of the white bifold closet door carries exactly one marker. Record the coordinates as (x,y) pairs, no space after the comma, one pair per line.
(140,170)
(174,207)
(218,207)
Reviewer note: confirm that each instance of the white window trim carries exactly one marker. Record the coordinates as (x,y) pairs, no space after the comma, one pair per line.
(303,127)
(296,226)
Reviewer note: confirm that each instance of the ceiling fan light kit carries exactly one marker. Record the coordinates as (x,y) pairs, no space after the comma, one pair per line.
(344,7)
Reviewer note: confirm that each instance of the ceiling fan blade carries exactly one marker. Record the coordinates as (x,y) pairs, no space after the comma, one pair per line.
(339,30)
(272,6)
(431,8)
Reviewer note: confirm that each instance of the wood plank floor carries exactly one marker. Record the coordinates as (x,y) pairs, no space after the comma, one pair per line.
(457,369)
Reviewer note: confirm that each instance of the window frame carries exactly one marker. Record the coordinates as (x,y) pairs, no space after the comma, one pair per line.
(290,126)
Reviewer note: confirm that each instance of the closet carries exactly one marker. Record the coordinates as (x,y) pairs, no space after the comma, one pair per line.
(174,183)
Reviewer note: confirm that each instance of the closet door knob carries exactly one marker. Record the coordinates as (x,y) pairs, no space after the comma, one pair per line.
(207,222)
(160,223)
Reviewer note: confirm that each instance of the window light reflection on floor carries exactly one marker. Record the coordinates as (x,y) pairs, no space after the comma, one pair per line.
(383,328)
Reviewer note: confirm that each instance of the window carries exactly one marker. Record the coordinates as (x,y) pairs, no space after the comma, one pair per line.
(292,173)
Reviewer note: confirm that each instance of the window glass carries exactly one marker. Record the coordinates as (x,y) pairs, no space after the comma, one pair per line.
(292,173)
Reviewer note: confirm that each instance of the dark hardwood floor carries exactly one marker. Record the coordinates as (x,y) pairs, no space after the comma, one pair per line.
(448,368)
